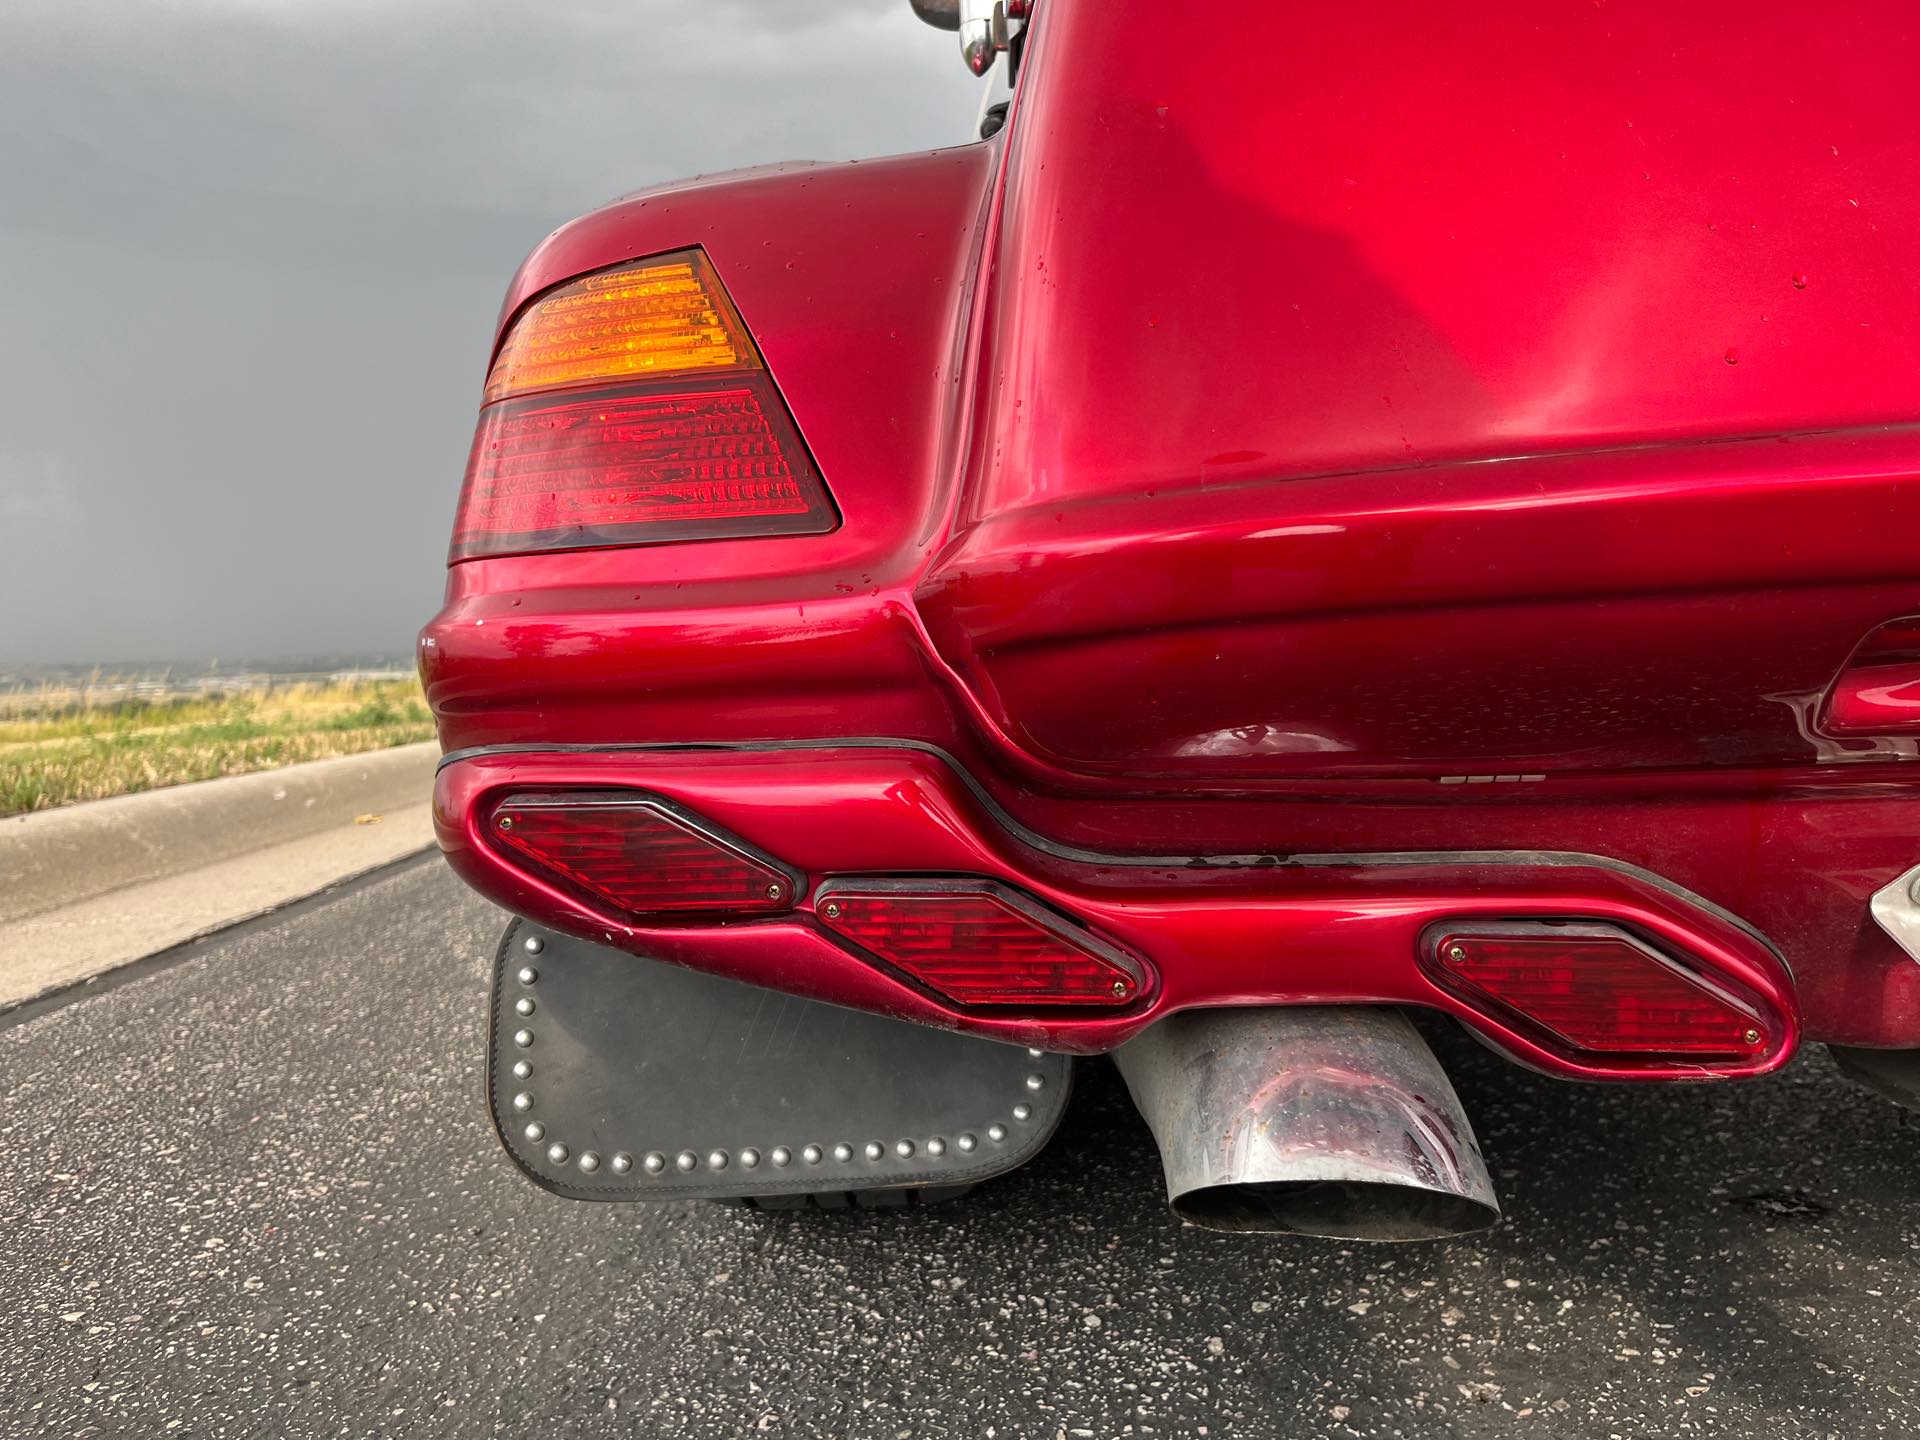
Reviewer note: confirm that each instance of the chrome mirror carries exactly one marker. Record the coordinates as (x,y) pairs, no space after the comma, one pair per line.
(941,14)
(982,25)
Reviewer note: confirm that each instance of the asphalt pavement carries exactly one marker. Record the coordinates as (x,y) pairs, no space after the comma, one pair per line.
(250,1189)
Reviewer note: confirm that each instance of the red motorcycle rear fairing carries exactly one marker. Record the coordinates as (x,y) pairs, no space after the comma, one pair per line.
(1420,480)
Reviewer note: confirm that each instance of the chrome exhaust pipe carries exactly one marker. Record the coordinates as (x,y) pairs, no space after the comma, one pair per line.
(1309,1120)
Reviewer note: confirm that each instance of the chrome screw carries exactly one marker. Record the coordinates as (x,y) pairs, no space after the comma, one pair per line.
(776,890)
(1457,954)
(1119,989)
(1752,1037)
(506,822)
(832,910)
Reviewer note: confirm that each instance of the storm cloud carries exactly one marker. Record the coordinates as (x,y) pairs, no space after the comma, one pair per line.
(251,252)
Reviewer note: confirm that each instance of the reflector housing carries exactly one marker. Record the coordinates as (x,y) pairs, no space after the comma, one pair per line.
(978,942)
(1598,990)
(632,407)
(637,855)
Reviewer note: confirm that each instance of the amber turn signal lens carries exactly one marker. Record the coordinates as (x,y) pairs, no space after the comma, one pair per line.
(665,316)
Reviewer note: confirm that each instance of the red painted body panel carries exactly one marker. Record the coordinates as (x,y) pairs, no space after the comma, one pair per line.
(1316,436)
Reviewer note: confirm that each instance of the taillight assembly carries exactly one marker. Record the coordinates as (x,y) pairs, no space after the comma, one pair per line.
(636,855)
(1598,991)
(631,407)
(978,943)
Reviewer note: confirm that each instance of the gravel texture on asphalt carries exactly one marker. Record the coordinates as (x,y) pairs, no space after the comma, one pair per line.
(253,1191)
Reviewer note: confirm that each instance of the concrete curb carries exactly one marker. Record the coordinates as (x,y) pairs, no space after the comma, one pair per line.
(53,858)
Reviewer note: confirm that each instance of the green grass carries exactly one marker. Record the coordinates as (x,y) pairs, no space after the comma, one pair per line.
(56,749)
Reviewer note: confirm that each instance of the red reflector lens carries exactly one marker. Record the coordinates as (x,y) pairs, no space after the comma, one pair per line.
(1599,990)
(637,464)
(636,855)
(978,943)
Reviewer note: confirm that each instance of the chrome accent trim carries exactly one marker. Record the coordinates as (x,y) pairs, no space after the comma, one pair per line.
(983,32)
(1895,908)
(1330,1120)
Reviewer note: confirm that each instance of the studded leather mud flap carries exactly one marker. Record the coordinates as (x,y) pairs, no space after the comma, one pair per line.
(617,1078)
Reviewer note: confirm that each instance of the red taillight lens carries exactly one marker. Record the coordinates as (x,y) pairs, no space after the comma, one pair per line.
(637,465)
(636,855)
(632,407)
(1598,990)
(978,943)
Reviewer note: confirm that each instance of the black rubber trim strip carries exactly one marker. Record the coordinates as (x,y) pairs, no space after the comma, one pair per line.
(1033,840)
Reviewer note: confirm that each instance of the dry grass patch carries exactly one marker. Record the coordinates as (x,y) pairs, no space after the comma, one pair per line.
(65,748)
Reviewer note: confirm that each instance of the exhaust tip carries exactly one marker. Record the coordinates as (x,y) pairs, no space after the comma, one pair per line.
(1308,1120)
(1335,1210)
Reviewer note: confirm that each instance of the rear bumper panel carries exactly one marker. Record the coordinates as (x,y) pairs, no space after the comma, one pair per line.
(1217,929)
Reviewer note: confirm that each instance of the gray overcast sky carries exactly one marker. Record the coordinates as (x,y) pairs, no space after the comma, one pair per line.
(251,252)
